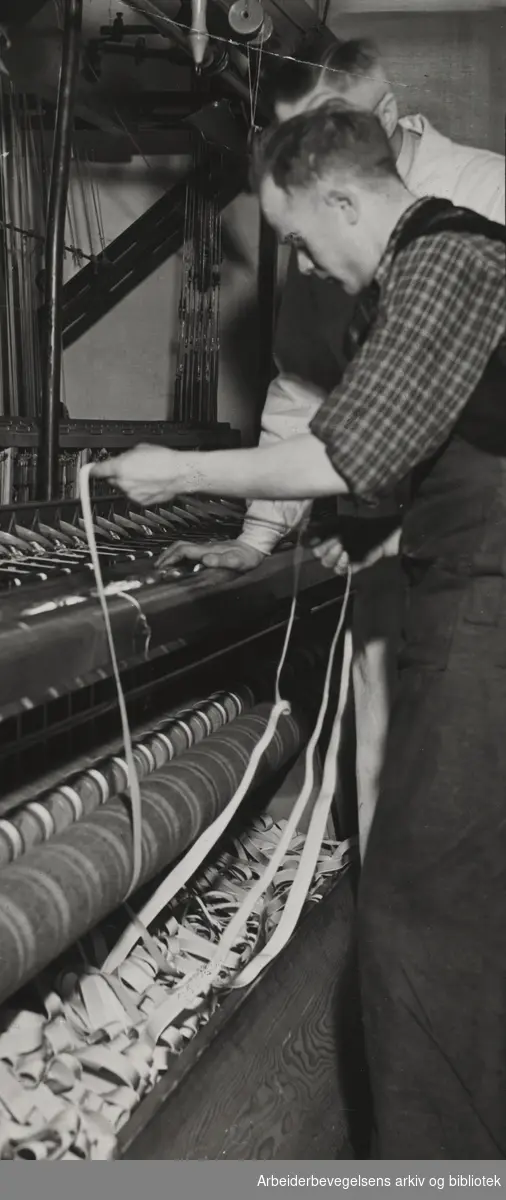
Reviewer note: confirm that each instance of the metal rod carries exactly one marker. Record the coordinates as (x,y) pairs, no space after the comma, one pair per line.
(47,481)
(170,29)
(266,297)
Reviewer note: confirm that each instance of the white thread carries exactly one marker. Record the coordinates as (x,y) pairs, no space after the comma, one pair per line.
(250,88)
(186,868)
(143,621)
(280,708)
(314,838)
(259,67)
(202,979)
(133,781)
(191,861)
(303,62)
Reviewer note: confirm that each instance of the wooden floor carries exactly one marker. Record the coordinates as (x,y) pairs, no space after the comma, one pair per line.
(278,1073)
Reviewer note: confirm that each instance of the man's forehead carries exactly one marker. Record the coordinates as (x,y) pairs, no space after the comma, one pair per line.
(360,91)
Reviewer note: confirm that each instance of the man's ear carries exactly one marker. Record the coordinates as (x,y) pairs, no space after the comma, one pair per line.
(388,113)
(345,201)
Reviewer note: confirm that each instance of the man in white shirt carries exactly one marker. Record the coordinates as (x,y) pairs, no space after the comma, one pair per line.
(310,361)
(432,163)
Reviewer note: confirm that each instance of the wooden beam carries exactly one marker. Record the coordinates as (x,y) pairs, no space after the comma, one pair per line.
(105,147)
(140,249)
(93,116)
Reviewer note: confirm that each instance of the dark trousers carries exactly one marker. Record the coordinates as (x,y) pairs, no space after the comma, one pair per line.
(432,903)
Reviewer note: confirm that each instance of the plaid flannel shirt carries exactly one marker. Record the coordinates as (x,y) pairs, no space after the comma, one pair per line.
(441,314)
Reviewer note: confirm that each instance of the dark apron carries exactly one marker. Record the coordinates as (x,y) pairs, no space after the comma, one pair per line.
(432,906)
(432,911)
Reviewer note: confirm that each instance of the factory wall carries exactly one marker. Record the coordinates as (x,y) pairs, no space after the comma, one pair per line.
(124,366)
(121,368)
(451,65)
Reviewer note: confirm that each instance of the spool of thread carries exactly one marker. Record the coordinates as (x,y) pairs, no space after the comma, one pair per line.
(248,20)
(38,822)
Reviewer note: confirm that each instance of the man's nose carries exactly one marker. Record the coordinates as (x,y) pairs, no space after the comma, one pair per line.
(305,265)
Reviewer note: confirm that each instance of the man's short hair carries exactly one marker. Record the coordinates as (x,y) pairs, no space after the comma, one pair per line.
(322,140)
(340,66)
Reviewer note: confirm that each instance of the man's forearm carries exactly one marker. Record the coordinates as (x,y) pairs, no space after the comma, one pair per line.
(296,469)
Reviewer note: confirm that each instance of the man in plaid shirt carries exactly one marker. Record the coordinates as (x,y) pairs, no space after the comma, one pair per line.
(422,401)
(311,325)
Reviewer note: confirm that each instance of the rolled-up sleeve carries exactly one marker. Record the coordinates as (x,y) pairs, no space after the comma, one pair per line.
(441,315)
(289,406)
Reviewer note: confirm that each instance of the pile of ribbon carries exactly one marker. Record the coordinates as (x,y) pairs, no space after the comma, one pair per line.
(71,1076)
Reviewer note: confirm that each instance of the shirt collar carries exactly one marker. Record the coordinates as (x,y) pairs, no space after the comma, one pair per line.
(407,152)
(385,263)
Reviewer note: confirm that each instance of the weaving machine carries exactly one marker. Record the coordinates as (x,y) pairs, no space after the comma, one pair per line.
(109,1046)
(82,442)
(198,659)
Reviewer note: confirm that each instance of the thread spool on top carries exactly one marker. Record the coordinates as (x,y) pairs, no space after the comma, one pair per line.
(248,20)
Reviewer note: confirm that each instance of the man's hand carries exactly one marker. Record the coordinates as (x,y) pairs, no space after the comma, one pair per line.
(332,554)
(233,555)
(148,474)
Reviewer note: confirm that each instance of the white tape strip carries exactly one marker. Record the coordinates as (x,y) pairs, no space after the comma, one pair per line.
(133,781)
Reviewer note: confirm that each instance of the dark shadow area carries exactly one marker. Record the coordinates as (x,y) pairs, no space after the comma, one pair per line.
(351,1064)
(240,347)
(239,344)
